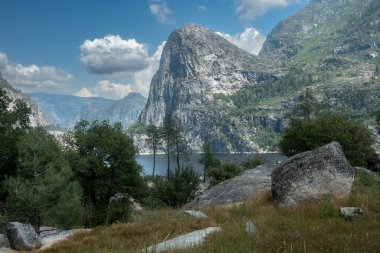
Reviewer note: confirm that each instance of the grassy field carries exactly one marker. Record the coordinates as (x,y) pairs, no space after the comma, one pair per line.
(313,227)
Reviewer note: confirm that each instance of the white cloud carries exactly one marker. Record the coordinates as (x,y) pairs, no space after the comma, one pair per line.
(136,82)
(3,60)
(112,54)
(85,92)
(34,78)
(142,79)
(250,40)
(202,8)
(251,9)
(107,89)
(161,10)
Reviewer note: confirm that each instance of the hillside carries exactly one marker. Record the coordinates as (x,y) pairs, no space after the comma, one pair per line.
(37,117)
(238,101)
(198,68)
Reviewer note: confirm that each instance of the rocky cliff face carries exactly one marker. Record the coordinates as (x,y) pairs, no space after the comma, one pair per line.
(197,67)
(37,117)
(238,101)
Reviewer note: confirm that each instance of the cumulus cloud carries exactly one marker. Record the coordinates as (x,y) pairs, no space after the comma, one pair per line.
(251,9)
(135,82)
(3,60)
(202,8)
(161,10)
(34,78)
(107,89)
(250,40)
(142,79)
(112,54)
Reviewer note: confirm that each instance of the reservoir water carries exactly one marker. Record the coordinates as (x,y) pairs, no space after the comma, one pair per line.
(161,161)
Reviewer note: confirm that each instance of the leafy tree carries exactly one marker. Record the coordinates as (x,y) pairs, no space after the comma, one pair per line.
(168,130)
(13,122)
(154,140)
(307,106)
(104,160)
(175,141)
(42,191)
(303,135)
(208,159)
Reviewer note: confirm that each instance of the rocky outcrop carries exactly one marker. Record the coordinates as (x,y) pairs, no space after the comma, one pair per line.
(197,67)
(237,189)
(4,241)
(313,175)
(37,117)
(22,236)
(192,239)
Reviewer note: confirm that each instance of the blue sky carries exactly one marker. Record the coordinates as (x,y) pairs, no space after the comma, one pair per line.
(110,48)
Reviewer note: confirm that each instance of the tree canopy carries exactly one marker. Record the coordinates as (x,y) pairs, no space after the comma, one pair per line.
(303,135)
(104,162)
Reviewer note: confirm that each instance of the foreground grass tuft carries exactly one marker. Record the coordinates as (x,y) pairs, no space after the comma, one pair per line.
(312,227)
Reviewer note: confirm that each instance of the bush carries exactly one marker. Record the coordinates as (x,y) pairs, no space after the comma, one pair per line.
(252,163)
(302,135)
(178,190)
(223,172)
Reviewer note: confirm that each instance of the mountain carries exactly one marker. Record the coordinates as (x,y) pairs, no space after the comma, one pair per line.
(65,110)
(198,69)
(37,117)
(239,101)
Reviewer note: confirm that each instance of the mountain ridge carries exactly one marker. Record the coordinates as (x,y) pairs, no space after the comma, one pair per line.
(243,108)
(65,110)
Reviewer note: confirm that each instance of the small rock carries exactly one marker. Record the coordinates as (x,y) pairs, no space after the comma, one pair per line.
(4,241)
(350,212)
(22,236)
(250,228)
(196,214)
(192,239)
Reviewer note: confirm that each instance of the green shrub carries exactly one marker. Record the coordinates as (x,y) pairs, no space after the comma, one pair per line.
(223,172)
(302,135)
(176,191)
(252,163)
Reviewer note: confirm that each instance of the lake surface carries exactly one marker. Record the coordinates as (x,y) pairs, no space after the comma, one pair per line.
(161,161)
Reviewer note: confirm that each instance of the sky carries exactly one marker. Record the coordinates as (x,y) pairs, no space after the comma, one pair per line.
(111,48)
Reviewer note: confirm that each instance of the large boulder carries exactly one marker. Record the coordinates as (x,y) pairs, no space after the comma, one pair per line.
(313,175)
(237,189)
(22,236)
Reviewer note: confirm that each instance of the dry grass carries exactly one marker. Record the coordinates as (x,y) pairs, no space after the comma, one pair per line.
(312,227)
(146,229)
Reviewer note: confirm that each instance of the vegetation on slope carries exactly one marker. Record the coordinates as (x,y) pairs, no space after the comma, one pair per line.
(315,227)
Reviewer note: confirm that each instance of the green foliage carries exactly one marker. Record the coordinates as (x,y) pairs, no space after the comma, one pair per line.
(252,163)
(42,190)
(172,134)
(12,125)
(223,172)
(154,140)
(103,158)
(222,97)
(119,209)
(248,98)
(179,189)
(377,119)
(307,106)
(208,159)
(303,135)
